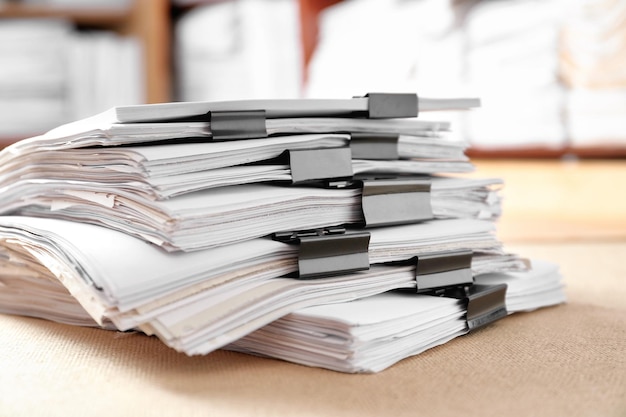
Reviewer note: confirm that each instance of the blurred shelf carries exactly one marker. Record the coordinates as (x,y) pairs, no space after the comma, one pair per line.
(88,16)
(309,23)
(147,20)
(589,152)
(151,22)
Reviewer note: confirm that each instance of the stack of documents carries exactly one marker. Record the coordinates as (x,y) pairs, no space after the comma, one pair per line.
(512,56)
(185,191)
(228,50)
(201,223)
(371,334)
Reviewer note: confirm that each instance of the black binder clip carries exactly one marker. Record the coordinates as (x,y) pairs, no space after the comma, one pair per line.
(229,125)
(328,251)
(388,202)
(391,105)
(320,164)
(437,271)
(484,303)
(376,146)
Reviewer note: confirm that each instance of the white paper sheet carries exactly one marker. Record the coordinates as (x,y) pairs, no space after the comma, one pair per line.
(225,215)
(197,302)
(371,334)
(163,171)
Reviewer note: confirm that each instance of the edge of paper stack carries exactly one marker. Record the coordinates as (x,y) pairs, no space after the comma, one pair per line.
(332,233)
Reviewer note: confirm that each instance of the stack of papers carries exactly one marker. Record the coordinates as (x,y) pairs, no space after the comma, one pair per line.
(512,56)
(201,224)
(164,193)
(211,218)
(371,334)
(227,50)
(200,300)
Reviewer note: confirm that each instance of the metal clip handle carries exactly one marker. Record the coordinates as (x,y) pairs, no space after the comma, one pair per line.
(443,270)
(320,164)
(374,146)
(484,303)
(395,201)
(391,105)
(229,125)
(328,251)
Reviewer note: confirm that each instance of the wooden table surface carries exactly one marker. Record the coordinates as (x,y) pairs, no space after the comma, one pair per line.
(560,201)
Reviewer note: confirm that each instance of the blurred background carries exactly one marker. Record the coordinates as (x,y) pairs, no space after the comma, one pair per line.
(551,75)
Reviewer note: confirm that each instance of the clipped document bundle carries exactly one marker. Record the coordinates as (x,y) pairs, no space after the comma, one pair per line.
(373,333)
(183,188)
(205,223)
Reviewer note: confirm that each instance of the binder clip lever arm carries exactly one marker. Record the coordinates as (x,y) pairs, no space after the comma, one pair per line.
(328,251)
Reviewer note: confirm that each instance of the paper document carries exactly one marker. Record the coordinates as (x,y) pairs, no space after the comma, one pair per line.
(188,167)
(371,334)
(225,215)
(197,302)
(279,108)
(234,223)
